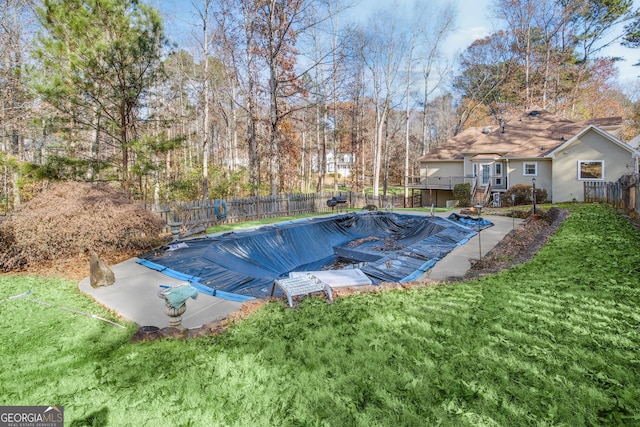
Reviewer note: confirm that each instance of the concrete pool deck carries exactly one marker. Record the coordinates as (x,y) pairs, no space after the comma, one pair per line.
(134,295)
(458,262)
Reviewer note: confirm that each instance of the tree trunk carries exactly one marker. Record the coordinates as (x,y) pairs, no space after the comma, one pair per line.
(204,16)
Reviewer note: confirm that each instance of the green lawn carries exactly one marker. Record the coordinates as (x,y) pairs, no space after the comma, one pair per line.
(553,342)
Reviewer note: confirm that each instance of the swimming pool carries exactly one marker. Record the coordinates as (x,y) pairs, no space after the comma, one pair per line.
(383,246)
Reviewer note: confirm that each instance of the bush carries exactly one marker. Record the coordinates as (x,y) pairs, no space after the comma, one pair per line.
(462,193)
(523,194)
(71,219)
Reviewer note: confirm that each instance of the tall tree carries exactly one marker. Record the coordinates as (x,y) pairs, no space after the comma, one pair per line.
(203,13)
(15,18)
(327,82)
(239,33)
(433,68)
(382,52)
(279,25)
(594,21)
(486,67)
(520,16)
(100,56)
(424,48)
(556,46)
(13,95)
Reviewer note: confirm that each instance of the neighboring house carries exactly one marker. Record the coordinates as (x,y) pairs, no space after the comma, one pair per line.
(344,162)
(559,154)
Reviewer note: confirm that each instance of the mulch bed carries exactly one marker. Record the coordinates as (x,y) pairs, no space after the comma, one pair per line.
(520,245)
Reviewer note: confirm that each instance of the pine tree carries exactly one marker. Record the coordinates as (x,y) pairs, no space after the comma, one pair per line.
(98,59)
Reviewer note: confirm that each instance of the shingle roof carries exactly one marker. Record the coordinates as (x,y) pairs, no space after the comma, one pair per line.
(529,135)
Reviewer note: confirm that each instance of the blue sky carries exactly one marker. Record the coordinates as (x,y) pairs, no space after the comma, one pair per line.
(473,21)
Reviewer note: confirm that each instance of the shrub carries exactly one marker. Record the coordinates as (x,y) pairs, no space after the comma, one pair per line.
(523,194)
(71,219)
(462,193)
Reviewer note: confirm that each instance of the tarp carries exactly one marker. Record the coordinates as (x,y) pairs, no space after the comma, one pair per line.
(179,294)
(385,246)
(477,223)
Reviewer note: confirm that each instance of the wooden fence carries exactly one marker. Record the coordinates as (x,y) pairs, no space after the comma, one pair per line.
(624,193)
(205,213)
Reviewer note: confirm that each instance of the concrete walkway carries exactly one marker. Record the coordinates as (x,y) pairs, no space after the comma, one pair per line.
(458,262)
(134,295)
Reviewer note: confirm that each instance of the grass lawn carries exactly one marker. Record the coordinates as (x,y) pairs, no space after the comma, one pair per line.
(553,342)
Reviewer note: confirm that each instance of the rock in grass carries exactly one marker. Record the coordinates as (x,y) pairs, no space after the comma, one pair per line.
(99,273)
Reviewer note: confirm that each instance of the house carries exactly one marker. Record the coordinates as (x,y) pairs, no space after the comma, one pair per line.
(344,163)
(559,154)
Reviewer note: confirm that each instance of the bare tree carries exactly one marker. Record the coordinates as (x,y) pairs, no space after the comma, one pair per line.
(16,16)
(434,67)
(382,53)
(238,48)
(556,44)
(425,40)
(203,14)
(520,16)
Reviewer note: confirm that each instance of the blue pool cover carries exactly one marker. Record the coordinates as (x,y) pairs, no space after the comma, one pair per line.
(387,247)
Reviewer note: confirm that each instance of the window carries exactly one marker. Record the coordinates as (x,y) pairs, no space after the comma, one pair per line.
(497,169)
(530,169)
(591,170)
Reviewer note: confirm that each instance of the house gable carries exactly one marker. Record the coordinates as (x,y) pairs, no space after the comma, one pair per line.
(591,155)
(592,128)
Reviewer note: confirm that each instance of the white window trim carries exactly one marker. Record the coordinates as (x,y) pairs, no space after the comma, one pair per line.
(580,162)
(524,168)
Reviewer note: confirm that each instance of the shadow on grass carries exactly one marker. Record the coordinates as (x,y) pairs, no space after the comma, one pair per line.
(98,418)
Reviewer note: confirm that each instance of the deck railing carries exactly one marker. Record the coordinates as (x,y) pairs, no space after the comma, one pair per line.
(438,182)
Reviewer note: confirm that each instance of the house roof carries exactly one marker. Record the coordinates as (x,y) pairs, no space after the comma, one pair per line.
(534,134)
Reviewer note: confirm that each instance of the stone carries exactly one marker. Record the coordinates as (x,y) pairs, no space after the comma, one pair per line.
(99,273)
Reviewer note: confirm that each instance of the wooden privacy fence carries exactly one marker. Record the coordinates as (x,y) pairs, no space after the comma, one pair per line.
(624,193)
(204,213)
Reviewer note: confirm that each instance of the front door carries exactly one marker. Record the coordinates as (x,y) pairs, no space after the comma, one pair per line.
(485,174)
